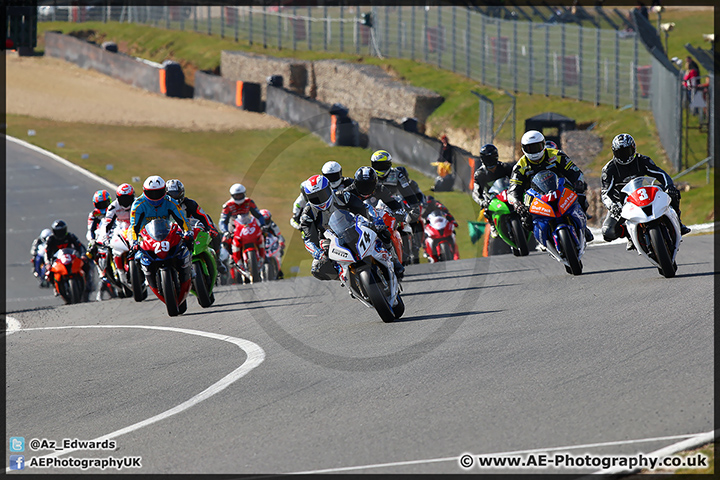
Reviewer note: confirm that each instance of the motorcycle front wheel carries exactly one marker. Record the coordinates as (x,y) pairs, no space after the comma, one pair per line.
(662,255)
(377,298)
(168,290)
(252,266)
(137,280)
(200,286)
(519,236)
(75,290)
(446,253)
(569,251)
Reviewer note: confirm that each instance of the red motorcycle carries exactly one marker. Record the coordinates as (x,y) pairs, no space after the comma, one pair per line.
(440,243)
(166,262)
(68,274)
(248,249)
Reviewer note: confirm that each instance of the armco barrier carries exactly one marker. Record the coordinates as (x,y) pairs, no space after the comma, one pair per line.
(245,95)
(335,130)
(167,79)
(419,151)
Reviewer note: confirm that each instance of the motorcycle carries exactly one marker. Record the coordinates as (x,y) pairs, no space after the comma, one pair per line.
(128,280)
(39,261)
(652,224)
(68,275)
(393,224)
(558,220)
(508,223)
(248,249)
(366,266)
(166,264)
(273,256)
(204,267)
(440,243)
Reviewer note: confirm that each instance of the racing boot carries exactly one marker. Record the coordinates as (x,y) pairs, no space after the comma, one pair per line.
(684,230)
(630,245)
(589,237)
(399,269)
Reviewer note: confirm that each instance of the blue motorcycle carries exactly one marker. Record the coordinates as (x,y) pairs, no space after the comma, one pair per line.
(558,219)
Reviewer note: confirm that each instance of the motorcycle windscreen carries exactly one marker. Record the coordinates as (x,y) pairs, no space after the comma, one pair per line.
(545,181)
(342,224)
(641,190)
(158,229)
(499,185)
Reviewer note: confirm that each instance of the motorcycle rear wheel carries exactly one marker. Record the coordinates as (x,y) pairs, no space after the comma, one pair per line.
(519,236)
(569,251)
(662,255)
(200,286)
(168,290)
(374,291)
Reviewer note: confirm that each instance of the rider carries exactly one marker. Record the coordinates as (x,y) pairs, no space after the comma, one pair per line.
(322,202)
(152,204)
(365,186)
(538,157)
(272,227)
(191,209)
(101,201)
(432,204)
(237,205)
(59,239)
(37,258)
(484,177)
(625,165)
(333,172)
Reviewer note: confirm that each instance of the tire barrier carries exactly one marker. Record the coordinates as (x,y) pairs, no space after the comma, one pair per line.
(244,95)
(329,122)
(166,79)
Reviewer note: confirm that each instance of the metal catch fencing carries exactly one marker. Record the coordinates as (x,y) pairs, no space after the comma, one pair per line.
(591,64)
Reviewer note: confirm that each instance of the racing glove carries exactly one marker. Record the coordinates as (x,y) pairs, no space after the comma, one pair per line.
(521,209)
(674,192)
(580,186)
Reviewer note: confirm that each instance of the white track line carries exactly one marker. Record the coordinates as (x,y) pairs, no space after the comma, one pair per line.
(65,162)
(498,454)
(255,356)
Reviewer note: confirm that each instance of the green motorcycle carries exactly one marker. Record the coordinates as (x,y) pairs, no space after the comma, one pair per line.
(204,268)
(508,223)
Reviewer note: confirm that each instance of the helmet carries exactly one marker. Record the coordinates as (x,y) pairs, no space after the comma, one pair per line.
(365,181)
(154,189)
(333,172)
(318,192)
(237,192)
(550,144)
(533,145)
(101,200)
(381,162)
(59,229)
(125,194)
(623,147)
(45,234)
(176,190)
(266,215)
(489,155)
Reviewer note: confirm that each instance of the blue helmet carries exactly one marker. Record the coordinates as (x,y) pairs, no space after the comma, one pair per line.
(318,192)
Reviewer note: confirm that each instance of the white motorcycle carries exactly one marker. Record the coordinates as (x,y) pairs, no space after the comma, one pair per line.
(653,225)
(367,267)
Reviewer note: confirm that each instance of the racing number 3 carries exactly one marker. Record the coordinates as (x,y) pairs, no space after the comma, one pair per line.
(162,246)
(642,194)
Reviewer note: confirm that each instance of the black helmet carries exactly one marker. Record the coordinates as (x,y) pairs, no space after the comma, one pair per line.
(175,189)
(489,155)
(623,147)
(365,181)
(59,229)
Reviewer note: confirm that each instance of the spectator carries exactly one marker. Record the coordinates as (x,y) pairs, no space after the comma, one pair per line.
(445,176)
(643,10)
(691,78)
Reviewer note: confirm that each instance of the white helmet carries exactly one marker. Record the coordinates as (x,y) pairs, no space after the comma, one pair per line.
(533,145)
(333,172)
(237,191)
(45,233)
(154,189)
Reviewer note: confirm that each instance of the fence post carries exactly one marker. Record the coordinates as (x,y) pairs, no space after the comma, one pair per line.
(581,57)
(222,22)
(326,29)
(467,43)
(562,60)
(531,63)
(425,34)
(617,70)
(264,27)
(167,17)
(280,20)
(483,50)
(400,31)
(547,60)
(294,37)
(514,54)
(437,37)
(309,28)
(498,44)
(195,22)
(237,22)
(250,25)
(454,25)
(597,65)
(386,38)
(633,74)
(209,24)
(412,32)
